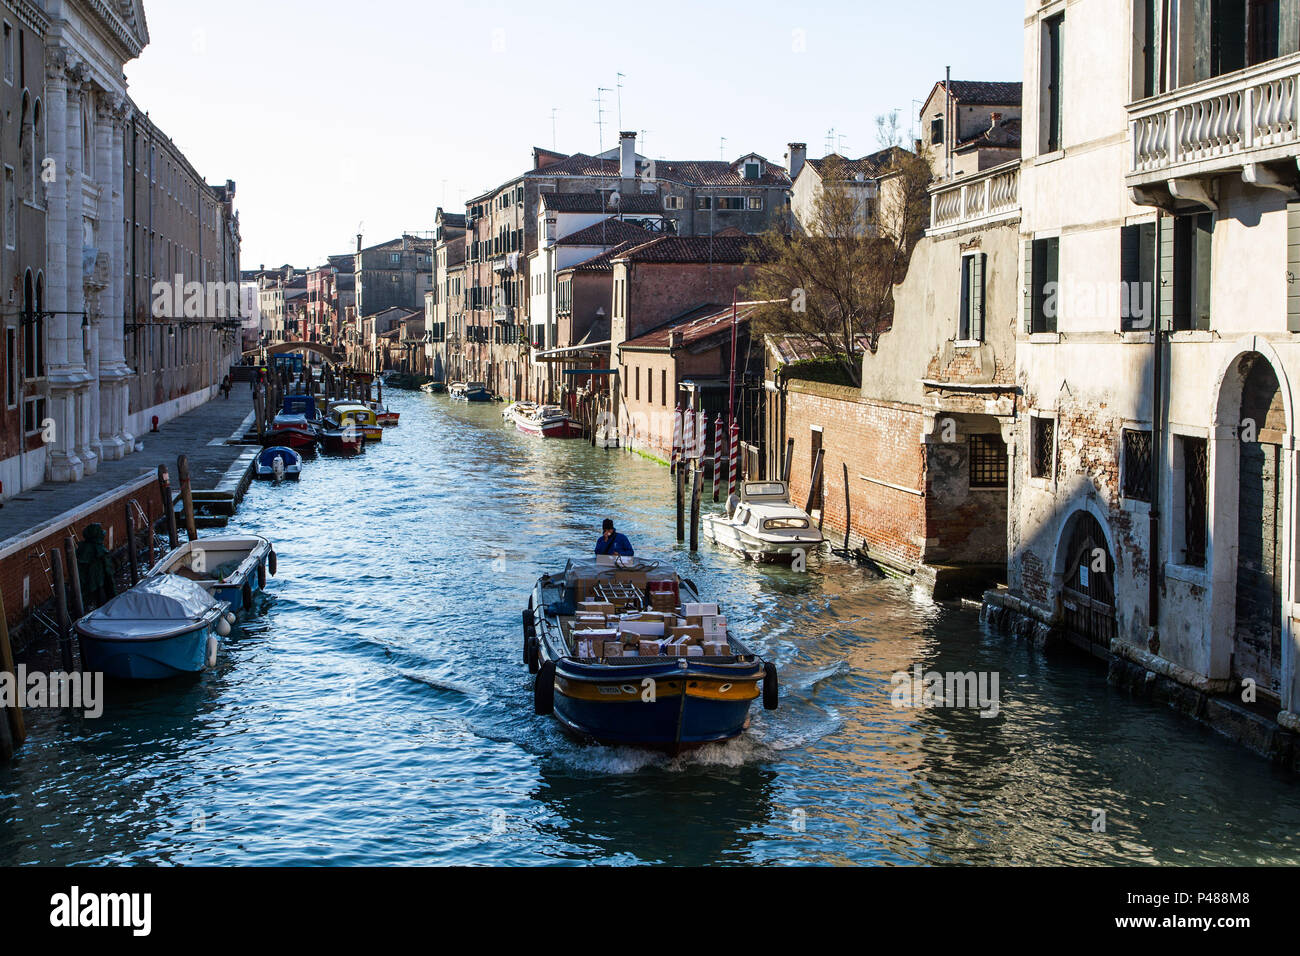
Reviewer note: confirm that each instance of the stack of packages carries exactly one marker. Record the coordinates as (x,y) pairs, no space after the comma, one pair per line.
(692,630)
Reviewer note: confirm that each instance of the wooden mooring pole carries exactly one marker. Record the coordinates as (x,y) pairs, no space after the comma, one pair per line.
(132,558)
(681,502)
(169,506)
(848,508)
(187,496)
(816,481)
(15,726)
(789,461)
(61,606)
(75,603)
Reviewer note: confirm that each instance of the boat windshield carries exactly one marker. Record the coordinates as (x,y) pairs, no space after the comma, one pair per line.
(764,489)
(785,524)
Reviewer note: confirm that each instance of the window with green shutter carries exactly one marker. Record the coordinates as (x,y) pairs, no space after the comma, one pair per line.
(1137,267)
(1192,260)
(1042,272)
(970,322)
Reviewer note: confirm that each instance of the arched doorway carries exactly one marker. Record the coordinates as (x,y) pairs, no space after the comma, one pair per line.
(1088,584)
(1257,635)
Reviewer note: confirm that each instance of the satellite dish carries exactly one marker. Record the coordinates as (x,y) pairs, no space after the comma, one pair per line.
(614,199)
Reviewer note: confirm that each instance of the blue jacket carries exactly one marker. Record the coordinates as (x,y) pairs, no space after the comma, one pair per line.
(618,545)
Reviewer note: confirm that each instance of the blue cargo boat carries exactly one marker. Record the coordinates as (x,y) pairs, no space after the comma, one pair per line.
(232,569)
(166,626)
(664,702)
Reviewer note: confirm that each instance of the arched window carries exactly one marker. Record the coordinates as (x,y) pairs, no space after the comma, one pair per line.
(38,144)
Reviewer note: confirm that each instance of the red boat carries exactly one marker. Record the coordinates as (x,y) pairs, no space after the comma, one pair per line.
(547,421)
(294,426)
(340,440)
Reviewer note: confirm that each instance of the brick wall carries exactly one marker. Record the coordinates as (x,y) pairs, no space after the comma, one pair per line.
(24,561)
(881,440)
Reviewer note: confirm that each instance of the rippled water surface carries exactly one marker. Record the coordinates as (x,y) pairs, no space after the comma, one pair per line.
(378,712)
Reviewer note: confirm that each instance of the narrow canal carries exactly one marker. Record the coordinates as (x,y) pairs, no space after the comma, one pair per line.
(378,713)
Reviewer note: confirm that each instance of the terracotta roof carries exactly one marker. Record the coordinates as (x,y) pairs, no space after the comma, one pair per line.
(604,262)
(599,202)
(579,164)
(696,249)
(1005,135)
(983,93)
(717,173)
(869,166)
(608,232)
(795,348)
(396,245)
(695,326)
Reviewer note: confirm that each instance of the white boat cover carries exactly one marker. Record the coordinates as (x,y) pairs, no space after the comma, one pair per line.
(159,606)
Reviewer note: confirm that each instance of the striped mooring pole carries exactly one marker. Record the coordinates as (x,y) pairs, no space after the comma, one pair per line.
(717,456)
(676,440)
(733,470)
(688,436)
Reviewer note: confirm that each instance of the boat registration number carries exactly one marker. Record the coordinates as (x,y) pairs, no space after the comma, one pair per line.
(613,691)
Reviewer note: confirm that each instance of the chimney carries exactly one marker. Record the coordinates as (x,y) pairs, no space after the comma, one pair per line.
(358,242)
(797,156)
(675,340)
(627,155)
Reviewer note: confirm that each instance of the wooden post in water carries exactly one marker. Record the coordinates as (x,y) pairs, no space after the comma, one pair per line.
(848,508)
(681,502)
(789,461)
(816,480)
(15,721)
(132,559)
(169,506)
(75,603)
(148,523)
(61,606)
(187,496)
(697,490)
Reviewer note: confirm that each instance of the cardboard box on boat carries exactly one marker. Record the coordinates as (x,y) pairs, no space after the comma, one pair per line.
(590,606)
(688,634)
(642,627)
(599,636)
(586,650)
(591,624)
(698,610)
(613,649)
(694,650)
(716,649)
(648,648)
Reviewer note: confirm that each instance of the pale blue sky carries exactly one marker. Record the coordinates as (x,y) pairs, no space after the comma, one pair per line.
(329,114)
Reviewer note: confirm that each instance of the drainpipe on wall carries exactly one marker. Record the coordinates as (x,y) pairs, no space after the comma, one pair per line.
(1157,445)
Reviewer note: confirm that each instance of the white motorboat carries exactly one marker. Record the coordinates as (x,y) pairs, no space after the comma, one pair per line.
(517,408)
(762,524)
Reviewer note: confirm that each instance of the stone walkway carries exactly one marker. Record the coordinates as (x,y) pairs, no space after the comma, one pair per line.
(201,434)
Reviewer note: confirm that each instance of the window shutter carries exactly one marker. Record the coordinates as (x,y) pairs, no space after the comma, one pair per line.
(1289,30)
(1028,245)
(977,299)
(1293,266)
(1166,297)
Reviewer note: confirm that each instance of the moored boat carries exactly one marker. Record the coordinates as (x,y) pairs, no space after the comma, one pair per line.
(761,523)
(547,421)
(630,655)
(517,408)
(166,626)
(384,415)
(233,569)
(278,463)
(296,423)
(338,439)
(470,392)
(354,415)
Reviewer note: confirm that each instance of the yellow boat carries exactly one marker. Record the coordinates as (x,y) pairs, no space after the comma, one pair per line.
(352,414)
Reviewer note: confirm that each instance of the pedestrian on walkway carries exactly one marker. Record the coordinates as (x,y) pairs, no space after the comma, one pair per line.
(225,388)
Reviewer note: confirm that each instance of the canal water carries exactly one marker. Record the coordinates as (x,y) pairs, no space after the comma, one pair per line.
(379,713)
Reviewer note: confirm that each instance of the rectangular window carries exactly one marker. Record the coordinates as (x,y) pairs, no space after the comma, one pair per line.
(970,322)
(1195,461)
(663,388)
(731,203)
(1135,463)
(755,202)
(638,383)
(1193,248)
(703,202)
(1042,447)
(1137,269)
(752,171)
(988,461)
(9,54)
(33,415)
(674,202)
(1045,289)
(936,131)
(1053,75)
(649,386)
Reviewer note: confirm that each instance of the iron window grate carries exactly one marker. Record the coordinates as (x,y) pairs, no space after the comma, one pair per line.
(988,461)
(1042,447)
(1195,474)
(1137,465)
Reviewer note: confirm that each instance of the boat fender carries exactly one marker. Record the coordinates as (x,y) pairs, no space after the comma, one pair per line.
(261,575)
(771,691)
(212,652)
(534,655)
(230,617)
(544,690)
(271,563)
(222,627)
(247,594)
(530,626)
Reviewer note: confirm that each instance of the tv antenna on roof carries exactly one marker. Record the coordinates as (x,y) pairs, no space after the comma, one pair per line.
(618,85)
(554,110)
(722,149)
(600,114)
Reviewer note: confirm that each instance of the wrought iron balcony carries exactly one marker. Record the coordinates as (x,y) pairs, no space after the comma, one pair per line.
(1216,126)
(978,200)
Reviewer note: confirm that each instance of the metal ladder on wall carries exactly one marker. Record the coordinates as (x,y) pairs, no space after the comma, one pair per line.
(42,560)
